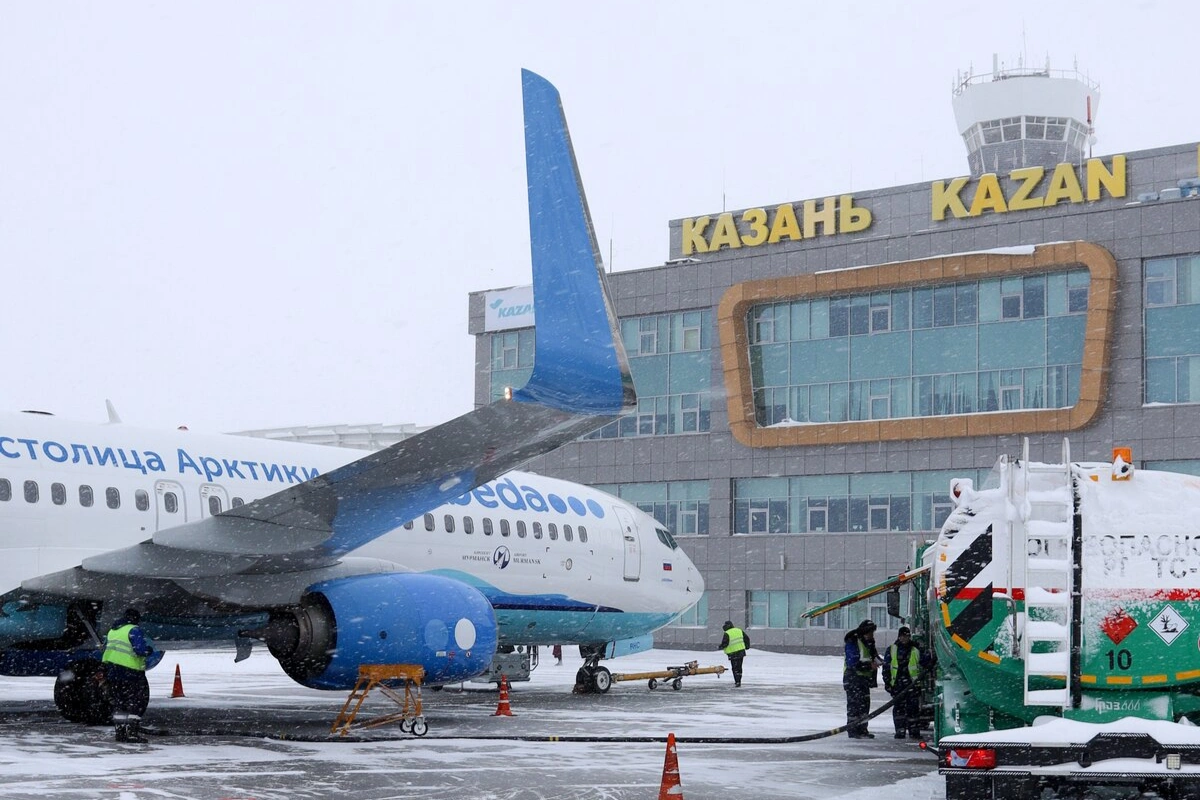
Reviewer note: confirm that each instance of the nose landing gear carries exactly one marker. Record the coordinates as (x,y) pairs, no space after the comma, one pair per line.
(591,677)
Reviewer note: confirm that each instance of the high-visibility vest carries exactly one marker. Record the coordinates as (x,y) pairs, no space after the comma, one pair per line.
(866,664)
(119,650)
(737,641)
(914,662)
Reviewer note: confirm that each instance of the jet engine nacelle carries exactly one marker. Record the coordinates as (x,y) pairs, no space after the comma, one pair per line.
(440,624)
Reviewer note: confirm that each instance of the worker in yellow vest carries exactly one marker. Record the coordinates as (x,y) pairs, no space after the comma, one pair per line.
(125,651)
(902,669)
(859,675)
(734,643)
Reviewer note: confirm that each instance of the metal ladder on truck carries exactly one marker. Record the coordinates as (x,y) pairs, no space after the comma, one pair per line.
(1045,499)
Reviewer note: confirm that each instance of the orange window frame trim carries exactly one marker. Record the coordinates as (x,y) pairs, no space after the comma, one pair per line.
(735,344)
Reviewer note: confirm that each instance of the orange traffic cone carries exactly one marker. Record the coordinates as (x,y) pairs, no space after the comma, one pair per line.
(670,789)
(177,689)
(502,709)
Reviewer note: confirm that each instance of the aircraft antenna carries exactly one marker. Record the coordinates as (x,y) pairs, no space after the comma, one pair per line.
(113,418)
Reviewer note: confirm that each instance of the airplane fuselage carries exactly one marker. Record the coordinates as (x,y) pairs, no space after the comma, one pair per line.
(559,562)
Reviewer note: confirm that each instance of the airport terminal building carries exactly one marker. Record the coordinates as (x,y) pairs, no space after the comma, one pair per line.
(811,374)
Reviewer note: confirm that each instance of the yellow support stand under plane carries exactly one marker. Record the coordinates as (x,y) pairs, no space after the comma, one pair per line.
(377,676)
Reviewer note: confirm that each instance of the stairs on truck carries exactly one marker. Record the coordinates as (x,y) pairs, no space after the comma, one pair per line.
(1046,499)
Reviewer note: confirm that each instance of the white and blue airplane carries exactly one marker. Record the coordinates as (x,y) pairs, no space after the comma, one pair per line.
(431,552)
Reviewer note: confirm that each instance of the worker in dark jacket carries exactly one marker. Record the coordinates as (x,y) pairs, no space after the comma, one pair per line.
(902,666)
(125,651)
(734,643)
(859,675)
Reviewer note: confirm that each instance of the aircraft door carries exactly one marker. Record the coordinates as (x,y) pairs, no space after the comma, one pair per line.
(170,504)
(213,500)
(632,545)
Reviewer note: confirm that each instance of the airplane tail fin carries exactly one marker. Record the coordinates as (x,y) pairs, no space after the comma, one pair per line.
(580,363)
(580,381)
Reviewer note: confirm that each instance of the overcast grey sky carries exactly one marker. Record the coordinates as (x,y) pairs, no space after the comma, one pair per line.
(252,214)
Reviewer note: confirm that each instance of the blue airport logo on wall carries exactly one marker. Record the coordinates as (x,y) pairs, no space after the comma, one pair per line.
(508,308)
(501,557)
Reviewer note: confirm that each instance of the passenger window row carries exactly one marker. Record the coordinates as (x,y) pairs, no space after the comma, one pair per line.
(112,497)
(87,497)
(552,530)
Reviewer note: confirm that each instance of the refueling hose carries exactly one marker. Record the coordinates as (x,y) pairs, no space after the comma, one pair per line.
(293,737)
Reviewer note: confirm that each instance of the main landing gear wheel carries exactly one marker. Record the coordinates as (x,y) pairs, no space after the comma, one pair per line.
(602,679)
(81,695)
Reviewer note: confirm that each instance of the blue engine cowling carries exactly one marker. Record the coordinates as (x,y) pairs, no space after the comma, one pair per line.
(439,623)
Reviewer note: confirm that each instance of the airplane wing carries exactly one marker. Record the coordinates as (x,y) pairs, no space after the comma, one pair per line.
(580,381)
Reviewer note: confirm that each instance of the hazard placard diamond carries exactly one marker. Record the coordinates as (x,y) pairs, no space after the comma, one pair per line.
(1117,625)
(1168,624)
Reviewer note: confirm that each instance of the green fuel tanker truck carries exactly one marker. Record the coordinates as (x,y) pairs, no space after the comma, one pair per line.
(1063,604)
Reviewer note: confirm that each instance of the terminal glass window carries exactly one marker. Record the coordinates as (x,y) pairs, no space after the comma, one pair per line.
(783,609)
(1002,344)
(670,356)
(1171,309)
(512,360)
(694,617)
(991,131)
(1030,127)
(681,506)
(859,503)
(1186,466)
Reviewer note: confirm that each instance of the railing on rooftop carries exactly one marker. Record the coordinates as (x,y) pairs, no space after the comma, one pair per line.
(963,81)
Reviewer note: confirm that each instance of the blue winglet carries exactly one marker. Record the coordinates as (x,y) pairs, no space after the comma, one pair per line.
(579,363)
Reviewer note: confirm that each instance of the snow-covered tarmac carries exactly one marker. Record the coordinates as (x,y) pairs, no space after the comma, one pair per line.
(247,731)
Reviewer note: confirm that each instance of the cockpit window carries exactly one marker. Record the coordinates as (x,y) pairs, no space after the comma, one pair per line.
(666,538)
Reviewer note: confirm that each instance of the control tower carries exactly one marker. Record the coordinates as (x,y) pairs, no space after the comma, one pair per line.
(1024,117)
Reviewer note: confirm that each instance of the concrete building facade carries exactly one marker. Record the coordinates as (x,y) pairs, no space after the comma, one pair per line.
(812,373)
